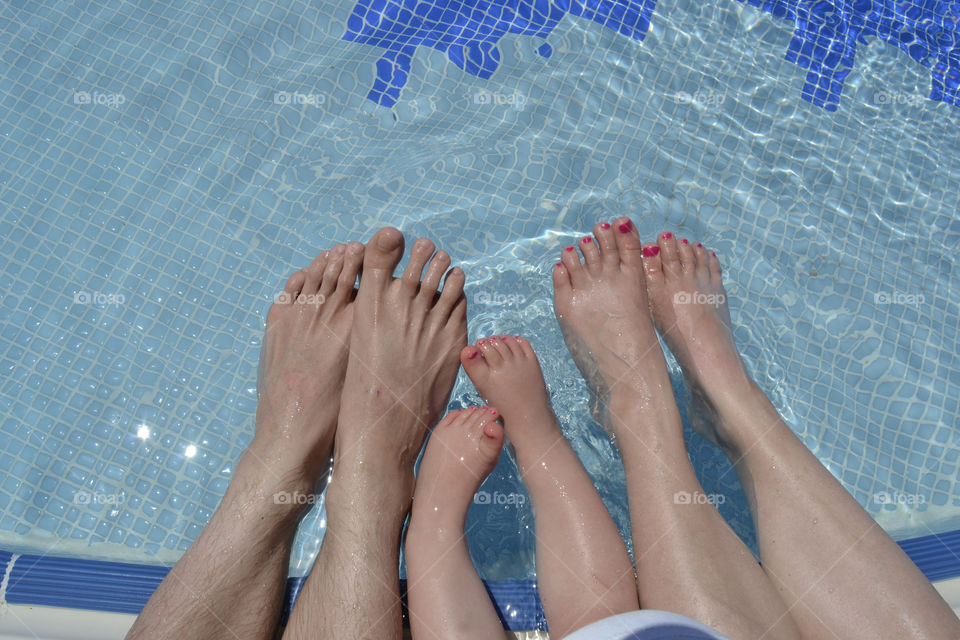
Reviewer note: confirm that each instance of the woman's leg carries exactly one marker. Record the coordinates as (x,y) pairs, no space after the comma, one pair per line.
(446,597)
(688,559)
(839,573)
(583,569)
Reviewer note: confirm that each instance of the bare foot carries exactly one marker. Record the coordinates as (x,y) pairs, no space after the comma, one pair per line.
(689,306)
(461,452)
(506,372)
(602,308)
(406,336)
(302,365)
(584,572)
(447,598)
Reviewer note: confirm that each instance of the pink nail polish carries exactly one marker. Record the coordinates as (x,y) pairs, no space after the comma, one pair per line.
(479,342)
(604,225)
(587,240)
(517,337)
(713,254)
(684,241)
(473,408)
(649,252)
(569,249)
(559,264)
(667,235)
(492,338)
(504,337)
(473,355)
(626,227)
(699,245)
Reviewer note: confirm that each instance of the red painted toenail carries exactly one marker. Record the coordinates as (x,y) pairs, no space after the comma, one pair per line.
(699,245)
(714,254)
(473,355)
(492,338)
(569,249)
(649,252)
(684,241)
(504,337)
(667,235)
(604,225)
(587,240)
(517,337)
(482,342)
(626,226)
(559,264)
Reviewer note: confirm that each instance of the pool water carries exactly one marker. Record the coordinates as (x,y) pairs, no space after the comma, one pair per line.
(167,164)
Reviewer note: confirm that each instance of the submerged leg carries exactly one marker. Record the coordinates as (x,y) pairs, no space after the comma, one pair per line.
(231,580)
(584,573)
(406,335)
(688,559)
(446,597)
(839,573)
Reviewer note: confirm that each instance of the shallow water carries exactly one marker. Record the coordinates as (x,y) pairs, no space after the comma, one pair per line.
(147,229)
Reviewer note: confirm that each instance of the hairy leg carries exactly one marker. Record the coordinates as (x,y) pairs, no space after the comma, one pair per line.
(406,335)
(230,582)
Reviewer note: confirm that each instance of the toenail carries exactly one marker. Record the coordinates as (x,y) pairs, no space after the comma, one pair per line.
(472,355)
(492,338)
(604,225)
(587,240)
(504,337)
(684,241)
(569,249)
(517,337)
(559,264)
(626,226)
(482,342)
(713,254)
(667,235)
(649,252)
(699,245)
(473,408)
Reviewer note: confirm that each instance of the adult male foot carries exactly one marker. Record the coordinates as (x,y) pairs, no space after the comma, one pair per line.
(406,335)
(230,581)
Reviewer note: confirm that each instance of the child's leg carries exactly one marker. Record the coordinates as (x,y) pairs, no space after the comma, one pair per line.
(446,597)
(583,568)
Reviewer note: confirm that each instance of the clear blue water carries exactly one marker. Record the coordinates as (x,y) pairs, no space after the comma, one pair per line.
(166,165)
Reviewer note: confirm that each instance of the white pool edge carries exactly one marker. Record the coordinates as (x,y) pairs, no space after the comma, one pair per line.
(28,622)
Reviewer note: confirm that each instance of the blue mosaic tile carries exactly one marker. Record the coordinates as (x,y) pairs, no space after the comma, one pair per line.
(468,33)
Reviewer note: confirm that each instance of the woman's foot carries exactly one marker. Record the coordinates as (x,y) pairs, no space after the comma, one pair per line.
(689,307)
(302,365)
(601,305)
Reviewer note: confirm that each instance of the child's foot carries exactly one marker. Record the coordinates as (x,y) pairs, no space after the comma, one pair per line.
(302,365)
(506,372)
(446,596)
(689,306)
(583,568)
(462,451)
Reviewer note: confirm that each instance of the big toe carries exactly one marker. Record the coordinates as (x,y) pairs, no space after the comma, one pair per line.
(380,258)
